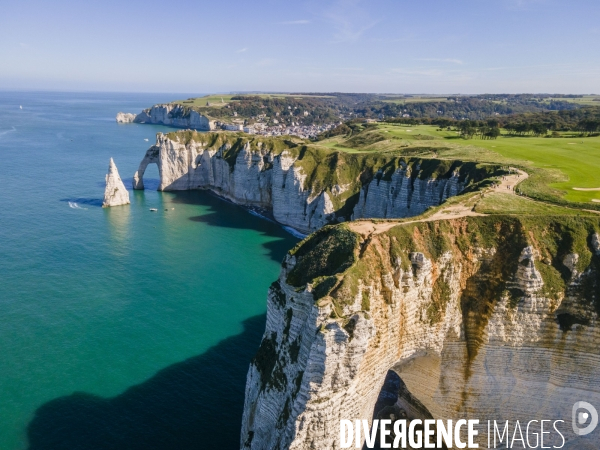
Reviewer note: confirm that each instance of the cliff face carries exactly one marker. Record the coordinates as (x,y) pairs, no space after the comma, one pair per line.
(176,116)
(303,186)
(115,193)
(125,117)
(489,318)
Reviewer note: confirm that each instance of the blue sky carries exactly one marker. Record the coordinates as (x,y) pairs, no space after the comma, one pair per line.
(424,46)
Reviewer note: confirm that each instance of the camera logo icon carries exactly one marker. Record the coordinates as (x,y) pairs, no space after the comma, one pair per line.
(580,418)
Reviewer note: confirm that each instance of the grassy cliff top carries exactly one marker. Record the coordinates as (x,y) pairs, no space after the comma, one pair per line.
(317,160)
(553,237)
(325,168)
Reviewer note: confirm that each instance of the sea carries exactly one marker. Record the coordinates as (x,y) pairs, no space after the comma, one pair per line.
(120,328)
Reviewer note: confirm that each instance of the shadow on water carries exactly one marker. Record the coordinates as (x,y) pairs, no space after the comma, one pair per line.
(150,184)
(225,214)
(193,404)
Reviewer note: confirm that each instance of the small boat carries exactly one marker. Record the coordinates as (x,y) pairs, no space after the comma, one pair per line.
(153,209)
(20,107)
(146,140)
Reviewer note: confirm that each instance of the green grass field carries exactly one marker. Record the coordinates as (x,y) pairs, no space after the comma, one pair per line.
(559,164)
(499,203)
(589,100)
(215,100)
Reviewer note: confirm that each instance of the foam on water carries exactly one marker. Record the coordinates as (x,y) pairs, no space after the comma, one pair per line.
(2,133)
(294,232)
(290,230)
(75,206)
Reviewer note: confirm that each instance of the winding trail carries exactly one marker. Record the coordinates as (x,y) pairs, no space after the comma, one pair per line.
(505,185)
(509,182)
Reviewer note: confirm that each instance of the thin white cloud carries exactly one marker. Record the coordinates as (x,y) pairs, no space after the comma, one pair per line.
(445,60)
(295,22)
(242,50)
(349,20)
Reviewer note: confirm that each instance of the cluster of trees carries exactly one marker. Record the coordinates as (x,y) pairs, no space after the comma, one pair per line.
(589,126)
(458,108)
(548,110)
(489,129)
(522,129)
(585,120)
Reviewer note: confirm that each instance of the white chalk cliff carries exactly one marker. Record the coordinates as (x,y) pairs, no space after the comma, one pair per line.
(303,187)
(176,116)
(115,193)
(173,115)
(482,318)
(125,117)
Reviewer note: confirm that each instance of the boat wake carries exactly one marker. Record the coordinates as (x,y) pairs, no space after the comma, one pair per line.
(75,202)
(75,206)
(2,133)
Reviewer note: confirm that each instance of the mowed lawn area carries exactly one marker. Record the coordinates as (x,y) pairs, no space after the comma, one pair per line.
(577,157)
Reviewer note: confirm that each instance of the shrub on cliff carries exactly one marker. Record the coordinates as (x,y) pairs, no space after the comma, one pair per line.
(327,252)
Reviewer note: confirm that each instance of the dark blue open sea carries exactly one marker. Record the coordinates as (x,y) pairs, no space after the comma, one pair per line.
(120,328)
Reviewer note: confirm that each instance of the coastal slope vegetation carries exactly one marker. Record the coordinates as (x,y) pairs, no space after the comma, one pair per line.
(321,108)
(563,165)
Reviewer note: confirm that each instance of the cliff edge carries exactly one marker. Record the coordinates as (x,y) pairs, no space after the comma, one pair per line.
(305,186)
(489,318)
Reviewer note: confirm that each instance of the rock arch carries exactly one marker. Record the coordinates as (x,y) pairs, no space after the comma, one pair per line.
(396,402)
(152,156)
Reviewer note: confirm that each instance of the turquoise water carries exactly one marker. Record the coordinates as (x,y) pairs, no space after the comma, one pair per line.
(119,328)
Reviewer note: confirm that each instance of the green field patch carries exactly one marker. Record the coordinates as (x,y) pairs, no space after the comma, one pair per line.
(500,203)
(556,164)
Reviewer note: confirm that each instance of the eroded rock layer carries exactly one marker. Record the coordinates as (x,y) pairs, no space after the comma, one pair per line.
(305,187)
(170,114)
(489,318)
(176,116)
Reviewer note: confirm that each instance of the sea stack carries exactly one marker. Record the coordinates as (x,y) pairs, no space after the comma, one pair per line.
(115,193)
